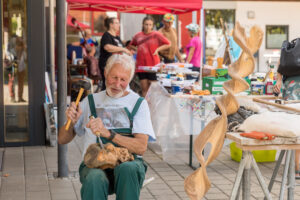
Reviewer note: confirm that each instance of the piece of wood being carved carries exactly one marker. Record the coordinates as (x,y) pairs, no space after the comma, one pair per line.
(197,184)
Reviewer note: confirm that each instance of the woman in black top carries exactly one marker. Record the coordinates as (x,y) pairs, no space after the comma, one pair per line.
(110,43)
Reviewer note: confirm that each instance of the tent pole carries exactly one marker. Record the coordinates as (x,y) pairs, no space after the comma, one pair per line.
(52,51)
(61,82)
(201,25)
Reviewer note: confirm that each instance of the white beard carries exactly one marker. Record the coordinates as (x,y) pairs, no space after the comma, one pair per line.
(118,95)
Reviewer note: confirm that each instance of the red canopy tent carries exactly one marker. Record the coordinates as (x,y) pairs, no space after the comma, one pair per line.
(137,6)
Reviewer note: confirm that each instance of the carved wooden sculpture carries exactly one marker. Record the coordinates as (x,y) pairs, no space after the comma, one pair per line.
(109,157)
(197,184)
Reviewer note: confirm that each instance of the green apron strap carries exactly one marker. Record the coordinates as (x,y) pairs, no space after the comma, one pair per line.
(137,106)
(92,105)
(134,110)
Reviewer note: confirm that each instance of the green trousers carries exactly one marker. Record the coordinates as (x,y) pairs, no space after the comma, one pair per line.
(126,180)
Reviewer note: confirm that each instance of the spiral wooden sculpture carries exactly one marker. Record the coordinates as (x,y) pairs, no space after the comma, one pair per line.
(197,184)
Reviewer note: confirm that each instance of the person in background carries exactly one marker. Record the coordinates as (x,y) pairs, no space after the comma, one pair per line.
(149,43)
(88,38)
(291,91)
(110,44)
(21,57)
(169,32)
(193,49)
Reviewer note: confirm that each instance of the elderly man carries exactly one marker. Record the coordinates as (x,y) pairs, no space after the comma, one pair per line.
(168,55)
(124,119)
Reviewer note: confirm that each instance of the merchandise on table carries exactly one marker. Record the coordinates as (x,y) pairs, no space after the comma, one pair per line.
(222,73)
(215,85)
(257,88)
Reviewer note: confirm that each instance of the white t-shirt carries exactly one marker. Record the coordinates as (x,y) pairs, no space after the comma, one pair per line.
(111,111)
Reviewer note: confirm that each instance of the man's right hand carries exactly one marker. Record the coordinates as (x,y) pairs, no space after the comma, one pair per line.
(73,113)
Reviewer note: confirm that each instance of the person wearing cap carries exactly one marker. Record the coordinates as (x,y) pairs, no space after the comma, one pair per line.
(193,49)
(169,32)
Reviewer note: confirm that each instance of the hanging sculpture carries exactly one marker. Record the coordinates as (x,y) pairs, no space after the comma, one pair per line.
(197,184)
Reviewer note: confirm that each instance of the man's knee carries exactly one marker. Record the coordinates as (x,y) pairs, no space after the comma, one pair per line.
(131,168)
(96,176)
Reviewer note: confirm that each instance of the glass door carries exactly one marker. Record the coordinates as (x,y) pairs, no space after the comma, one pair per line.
(14,71)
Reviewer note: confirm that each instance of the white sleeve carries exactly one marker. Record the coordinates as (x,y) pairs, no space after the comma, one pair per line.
(142,121)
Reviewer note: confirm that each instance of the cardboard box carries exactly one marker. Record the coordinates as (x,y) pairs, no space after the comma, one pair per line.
(215,85)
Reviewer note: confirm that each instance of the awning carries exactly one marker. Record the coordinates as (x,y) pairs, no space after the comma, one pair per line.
(137,6)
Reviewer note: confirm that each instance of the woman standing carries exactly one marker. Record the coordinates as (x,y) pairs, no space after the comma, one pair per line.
(148,43)
(193,49)
(110,43)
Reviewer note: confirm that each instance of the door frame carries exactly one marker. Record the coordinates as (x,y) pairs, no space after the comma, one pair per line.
(36,60)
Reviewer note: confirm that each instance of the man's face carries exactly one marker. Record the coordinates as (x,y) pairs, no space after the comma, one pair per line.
(117,80)
(167,25)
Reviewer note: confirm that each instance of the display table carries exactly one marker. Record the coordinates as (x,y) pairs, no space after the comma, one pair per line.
(176,116)
(286,145)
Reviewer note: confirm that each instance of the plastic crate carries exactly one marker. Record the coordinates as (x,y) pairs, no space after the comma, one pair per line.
(259,155)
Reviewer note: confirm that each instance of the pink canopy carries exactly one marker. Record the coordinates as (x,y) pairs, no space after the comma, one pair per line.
(137,6)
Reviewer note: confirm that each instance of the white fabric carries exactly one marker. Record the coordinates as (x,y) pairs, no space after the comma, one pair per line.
(277,123)
(175,118)
(141,121)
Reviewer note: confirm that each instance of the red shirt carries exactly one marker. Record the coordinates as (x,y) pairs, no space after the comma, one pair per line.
(146,46)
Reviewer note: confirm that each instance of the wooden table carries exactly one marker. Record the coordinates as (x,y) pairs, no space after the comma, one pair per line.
(286,145)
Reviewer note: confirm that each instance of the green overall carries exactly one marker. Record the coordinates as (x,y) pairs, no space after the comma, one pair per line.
(126,179)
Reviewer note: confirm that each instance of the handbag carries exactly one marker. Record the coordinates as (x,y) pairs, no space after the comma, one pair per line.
(290,58)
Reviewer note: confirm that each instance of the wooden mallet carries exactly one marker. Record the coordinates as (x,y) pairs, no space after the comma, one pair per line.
(76,103)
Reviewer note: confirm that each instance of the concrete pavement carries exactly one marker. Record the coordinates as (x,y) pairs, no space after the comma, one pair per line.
(29,173)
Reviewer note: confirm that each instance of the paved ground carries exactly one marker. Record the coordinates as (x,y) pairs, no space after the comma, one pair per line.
(28,173)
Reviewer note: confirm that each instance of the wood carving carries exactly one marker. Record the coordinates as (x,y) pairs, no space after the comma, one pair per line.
(197,183)
(109,157)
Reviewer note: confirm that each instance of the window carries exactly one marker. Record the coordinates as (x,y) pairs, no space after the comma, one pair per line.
(15,75)
(275,35)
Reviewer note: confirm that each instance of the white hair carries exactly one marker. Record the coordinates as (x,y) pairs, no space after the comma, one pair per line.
(124,60)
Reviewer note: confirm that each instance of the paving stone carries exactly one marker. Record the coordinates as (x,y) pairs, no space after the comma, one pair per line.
(38,195)
(158,192)
(31,172)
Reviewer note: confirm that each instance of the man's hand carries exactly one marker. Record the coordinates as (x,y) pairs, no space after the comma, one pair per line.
(97,127)
(73,113)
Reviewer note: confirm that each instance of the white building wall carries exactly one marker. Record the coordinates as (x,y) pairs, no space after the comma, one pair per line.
(265,13)
(131,24)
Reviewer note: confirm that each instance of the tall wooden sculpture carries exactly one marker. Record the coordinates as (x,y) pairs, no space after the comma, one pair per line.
(197,184)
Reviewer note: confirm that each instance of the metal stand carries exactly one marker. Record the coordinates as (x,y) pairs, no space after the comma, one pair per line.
(288,177)
(244,175)
(191,136)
